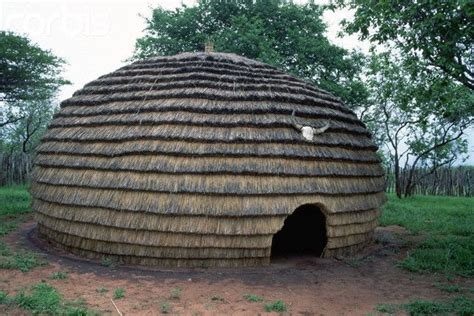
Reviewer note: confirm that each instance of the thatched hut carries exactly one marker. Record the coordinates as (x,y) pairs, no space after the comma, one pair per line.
(205,159)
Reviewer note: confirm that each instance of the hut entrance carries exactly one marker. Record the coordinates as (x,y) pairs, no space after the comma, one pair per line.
(304,232)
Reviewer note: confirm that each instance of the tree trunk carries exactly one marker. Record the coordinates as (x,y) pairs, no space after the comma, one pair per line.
(398,184)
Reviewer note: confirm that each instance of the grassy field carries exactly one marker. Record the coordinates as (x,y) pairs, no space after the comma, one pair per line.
(14,208)
(14,205)
(445,224)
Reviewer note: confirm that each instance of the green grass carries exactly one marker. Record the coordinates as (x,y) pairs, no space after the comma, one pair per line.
(460,305)
(14,206)
(175,293)
(164,308)
(441,215)
(4,299)
(277,306)
(60,275)
(44,299)
(119,293)
(14,200)
(387,308)
(22,260)
(107,262)
(253,298)
(447,223)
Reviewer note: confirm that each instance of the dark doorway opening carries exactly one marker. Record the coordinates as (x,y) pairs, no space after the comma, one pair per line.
(303,233)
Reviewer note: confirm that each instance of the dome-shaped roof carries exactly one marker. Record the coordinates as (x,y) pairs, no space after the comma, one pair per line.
(200,157)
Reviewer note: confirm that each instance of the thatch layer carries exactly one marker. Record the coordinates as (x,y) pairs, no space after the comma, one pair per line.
(209,107)
(203,204)
(195,224)
(153,238)
(180,118)
(207,184)
(192,149)
(199,224)
(196,76)
(125,249)
(197,160)
(202,134)
(212,165)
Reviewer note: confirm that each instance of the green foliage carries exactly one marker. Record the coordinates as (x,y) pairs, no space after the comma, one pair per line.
(386,308)
(165,307)
(450,288)
(44,299)
(447,223)
(28,71)
(277,306)
(423,111)
(29,83)
(175,293)
(281,33)
(107,262)
(77,308)
(59,275)
(4,299)
(119,293)
(438,33)
(24,135)
(14,200)
(438,215)
(460,305)
(253,298)
(22,260)
(449,254)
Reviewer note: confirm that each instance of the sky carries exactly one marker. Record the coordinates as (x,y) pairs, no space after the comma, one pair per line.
(97,37)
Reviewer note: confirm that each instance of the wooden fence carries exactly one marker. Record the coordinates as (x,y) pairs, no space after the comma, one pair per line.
(454,181)
(15,168)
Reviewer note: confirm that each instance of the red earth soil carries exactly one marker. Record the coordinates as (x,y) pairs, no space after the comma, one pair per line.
(308,286)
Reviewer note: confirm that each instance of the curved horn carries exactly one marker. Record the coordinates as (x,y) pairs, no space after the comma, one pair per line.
(321,130)
(294,122)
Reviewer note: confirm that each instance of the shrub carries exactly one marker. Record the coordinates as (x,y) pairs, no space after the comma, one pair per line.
(164,308)
(277,306)
(119,293)
(59,275)
(253,298)
(175,293)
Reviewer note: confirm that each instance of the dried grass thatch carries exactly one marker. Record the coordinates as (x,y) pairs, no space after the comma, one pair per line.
(193,160)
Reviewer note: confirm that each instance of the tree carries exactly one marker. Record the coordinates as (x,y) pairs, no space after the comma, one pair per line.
(277,32)
(439,33)
(28,74)
(25,134)
(420,119)
(30,79)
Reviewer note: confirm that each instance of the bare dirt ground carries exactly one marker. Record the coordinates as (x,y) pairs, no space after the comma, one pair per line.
(309,286)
